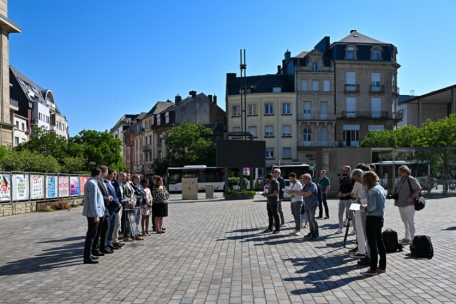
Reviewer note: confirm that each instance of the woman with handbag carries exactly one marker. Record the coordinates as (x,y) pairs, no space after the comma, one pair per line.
(160,197)
(407,188)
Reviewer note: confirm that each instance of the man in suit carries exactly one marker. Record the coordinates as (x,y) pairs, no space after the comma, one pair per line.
(129,194)
(140,195)
(94,209)
(113,206)
(118,186)
(102,232)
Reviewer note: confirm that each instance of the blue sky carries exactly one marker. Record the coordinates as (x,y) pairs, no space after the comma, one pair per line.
(106,58)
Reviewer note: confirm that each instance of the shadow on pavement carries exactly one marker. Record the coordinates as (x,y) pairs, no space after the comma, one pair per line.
(450,228)
(57,257)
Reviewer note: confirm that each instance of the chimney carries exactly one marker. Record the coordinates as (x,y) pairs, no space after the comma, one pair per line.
(209,97)
(279,69)
(215,99)
(177,99)
(352,31)
(287,55)
(284,67)
(168,100)
(192,93)
(230,77)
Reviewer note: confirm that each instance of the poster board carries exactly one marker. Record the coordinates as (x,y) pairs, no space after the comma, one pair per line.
(20,187)
(82,181)
(51,186)
(5,187)
(63,186)
(74,185)
(36,186)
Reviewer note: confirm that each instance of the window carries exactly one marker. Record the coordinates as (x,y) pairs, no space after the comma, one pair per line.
(402,113)
(17,125)
(350,53)
(276,89)
(35,90)
(350,81)
(314,66)
(376,107)
(306,109)
(326,85)
(350,107)
(236,111)
(23,127)
(315,85)
(286,153)
(307,134)
(252,110)
(323,110)
(375,82)
(16,141)
(253,130)
(351,135)
(372,128)
(375,55)
(236,129)
(286,108)
(269,153)
(269,131)
(394,106)
(286,130)
(269,108)
(158,119)
(23,140)
(304,85)
(167,117)
(21,82)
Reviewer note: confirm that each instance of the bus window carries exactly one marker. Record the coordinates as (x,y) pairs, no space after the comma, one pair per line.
(201,176)
(174,178)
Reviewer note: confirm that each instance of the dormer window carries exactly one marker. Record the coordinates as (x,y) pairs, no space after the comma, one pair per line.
(350,53)
(21,82)
(314,66)
(276,89)
(158,119)
(376,53)
(167,117)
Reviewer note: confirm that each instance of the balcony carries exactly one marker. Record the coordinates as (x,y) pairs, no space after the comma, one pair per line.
(14,104)
(368,115)
(317,117)
(34,121)
(52,128)
(317,144)
(396,90)
(377,90)
(351,89)
(147,148)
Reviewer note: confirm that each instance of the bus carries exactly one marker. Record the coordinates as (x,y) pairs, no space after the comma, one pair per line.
(299,169)
(421,170)
(206,176)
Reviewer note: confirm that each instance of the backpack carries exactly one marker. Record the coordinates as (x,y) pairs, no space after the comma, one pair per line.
(390,240)
(421,247)
(319,193)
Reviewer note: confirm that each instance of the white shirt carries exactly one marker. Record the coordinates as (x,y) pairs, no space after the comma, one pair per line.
(294,197)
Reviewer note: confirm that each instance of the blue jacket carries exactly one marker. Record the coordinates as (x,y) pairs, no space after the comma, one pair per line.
(376,198)
(115,201)
(93,199)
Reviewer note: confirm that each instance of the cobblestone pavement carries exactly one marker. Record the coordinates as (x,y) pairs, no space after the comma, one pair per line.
(215,251)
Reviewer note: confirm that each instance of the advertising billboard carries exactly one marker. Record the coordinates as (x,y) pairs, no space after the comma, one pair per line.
(63,186)
(36,186)
(51,186)
(20,187)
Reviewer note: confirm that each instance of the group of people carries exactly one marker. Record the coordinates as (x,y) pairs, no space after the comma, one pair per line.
(359,186)
(115,203)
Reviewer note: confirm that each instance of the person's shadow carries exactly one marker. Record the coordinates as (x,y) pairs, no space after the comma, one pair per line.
(56,257)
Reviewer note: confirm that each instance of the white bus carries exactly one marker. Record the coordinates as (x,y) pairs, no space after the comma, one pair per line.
(421,170)
(206,176)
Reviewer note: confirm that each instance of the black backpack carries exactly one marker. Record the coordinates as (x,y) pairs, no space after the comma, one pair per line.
(319,193)
(390,240)
(421,247)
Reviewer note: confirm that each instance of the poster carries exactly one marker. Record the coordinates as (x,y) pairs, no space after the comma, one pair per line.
(63,186)
(74,185)
(36,186)
(5,189)
(82,181)
(51,186)
(20,187)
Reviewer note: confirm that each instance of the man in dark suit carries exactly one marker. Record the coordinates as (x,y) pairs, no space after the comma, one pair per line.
(100,246)
(121,218)
(140,195)
(113,206)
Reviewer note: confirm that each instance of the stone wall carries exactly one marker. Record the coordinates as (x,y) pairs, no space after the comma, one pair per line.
(29,206)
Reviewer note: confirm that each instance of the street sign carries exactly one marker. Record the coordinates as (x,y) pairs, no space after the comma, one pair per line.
(312,167)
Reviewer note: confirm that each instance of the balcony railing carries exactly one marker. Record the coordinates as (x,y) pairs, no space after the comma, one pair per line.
(316,116)
(318,143)
(377,89)
(147,148)
(369,115)
(396,90)
(351,88)
(14,102)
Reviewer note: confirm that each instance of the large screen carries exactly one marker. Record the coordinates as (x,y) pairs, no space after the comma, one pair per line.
(241,153)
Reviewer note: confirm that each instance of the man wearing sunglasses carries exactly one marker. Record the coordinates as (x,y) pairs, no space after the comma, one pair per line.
(345,188)
(273,197)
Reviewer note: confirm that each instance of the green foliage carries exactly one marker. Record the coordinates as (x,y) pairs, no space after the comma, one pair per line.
(236,181)
(29,161)
(160,165)
(234,192)
(73,164)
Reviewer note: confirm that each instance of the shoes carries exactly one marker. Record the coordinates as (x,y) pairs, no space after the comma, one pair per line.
(119,245)
(339,231)
(107,250)
(276,231)
(153,229)
(404,240)
(369,272)
(94,257)
(304,225)
(314,237)
(308,235)
(113,247)
(293,232)
(326,217)
(97,253)
(267,230)
(297,233)
(283,225)
(127,239)
(353,232)
(163,228)
(364,261)
(90,262)
(381,270)
(354,250)
(357,255)
(139,238)
(318,217)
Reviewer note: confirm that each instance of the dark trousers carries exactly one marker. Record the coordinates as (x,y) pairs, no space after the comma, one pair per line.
(280,212)
(102,233)
(313,225)
(90,236)
(273,215)
(374,239)
(320,206)
(112,222)
(126,223)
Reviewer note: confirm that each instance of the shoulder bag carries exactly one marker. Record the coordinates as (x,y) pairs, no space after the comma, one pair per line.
(419,201)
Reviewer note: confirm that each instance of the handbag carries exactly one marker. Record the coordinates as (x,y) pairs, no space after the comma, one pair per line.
(419,201)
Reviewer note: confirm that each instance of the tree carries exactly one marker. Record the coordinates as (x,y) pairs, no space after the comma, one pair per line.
(46,143)
(29,161)
(189,144)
